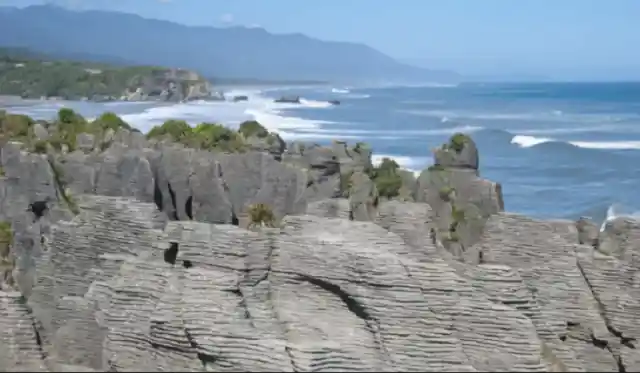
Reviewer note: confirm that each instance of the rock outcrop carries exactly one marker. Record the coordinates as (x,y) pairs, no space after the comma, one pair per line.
(140,262)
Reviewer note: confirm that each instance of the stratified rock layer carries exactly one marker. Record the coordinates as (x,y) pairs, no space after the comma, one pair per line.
(139,264)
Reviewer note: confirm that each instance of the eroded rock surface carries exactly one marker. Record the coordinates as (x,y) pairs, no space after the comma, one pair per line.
(138,263)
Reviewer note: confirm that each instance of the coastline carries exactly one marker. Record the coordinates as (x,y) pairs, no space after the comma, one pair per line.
(550,171)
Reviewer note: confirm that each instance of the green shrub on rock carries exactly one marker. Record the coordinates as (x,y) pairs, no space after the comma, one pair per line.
(260,215)
(111,121)
(253,128)
(387,179)
(176,130)
(16,126)
(6,238)
(69,116)
(68,125)
(458,141)
(210,136)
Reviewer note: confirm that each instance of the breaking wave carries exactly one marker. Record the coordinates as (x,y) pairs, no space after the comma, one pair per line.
(525,141)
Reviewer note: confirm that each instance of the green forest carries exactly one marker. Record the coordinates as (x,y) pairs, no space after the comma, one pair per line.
(31,75)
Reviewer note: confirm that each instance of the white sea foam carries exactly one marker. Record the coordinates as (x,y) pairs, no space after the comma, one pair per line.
(395,133)
(339,90)
(553,116)
(564,130)
(357,95)
(524,141)
(346,93)
(257,107)
(612,145)
(528,141)
(617,211)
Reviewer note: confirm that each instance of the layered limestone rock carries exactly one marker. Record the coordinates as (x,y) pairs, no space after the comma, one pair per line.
(139,262)
(461,201)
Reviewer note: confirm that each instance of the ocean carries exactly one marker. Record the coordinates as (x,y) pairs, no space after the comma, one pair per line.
(560,150)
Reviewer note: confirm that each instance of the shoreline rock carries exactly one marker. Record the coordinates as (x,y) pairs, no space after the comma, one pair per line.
(149,258)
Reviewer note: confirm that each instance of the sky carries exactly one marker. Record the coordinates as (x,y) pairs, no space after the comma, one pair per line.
(557,38)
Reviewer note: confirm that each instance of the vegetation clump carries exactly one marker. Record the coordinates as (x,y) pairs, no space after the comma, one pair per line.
(260,215)
(7,263)
(175,130)
(67,126)
(207,136)
(16,126)
(387,178)
(6,238)
(253,128)
(110,121)
(458,142)
(210,136)
(32,75)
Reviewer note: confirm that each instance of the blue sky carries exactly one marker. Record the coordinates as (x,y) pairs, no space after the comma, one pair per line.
(561,38)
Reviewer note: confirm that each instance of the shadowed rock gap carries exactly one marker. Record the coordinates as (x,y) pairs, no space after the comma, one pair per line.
(352,304)
(38,208)
(172,194)
(171,253)
(243,303)
(188,207)
(204,358)
(157,195)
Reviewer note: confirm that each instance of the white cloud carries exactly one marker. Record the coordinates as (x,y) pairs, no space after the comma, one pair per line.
(227,18)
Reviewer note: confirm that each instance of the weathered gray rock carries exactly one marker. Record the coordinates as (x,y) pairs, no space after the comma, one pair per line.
(251,300)
(459,152)
(363,197)
(40,132)
(588,232)
(113,285)
(272,144)
(461,201)
(85,142)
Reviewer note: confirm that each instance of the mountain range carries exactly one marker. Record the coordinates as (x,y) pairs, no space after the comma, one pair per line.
(234,52)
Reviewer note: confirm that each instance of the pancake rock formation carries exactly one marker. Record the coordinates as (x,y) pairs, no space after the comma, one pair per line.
(149,257)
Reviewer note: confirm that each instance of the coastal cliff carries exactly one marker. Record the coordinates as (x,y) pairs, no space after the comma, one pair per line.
(31,75)
(212,249)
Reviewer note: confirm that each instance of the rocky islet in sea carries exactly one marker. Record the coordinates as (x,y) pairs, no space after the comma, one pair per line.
(213,249)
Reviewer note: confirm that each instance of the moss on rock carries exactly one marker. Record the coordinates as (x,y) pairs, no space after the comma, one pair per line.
(6,238)
(458,142)
(253,128)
